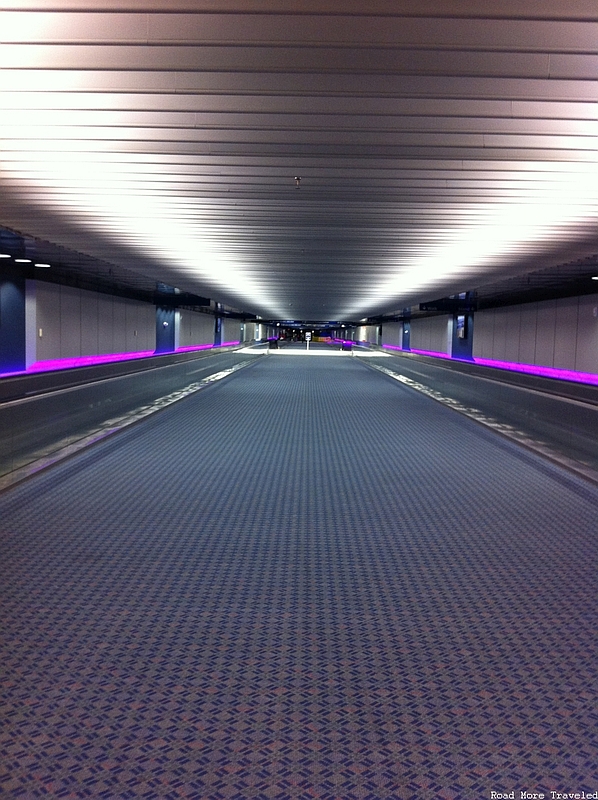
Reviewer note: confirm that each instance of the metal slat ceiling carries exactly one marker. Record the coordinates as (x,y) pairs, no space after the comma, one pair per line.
(441,146)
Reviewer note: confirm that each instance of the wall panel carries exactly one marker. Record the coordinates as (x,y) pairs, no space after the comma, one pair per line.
(89,323)
(392,333)
(31,332)
(511,321)
(147,326)
(47,299)
(248,330)
(501,326)
(565,339)
(483,331)
(527,340)
(545,333)
(196,328)
(70,322)
(105,336)
(431,333)
(587,334)
(231,330)
(559,333)
(76,322)
(119,325)
(367,333)
(131,327)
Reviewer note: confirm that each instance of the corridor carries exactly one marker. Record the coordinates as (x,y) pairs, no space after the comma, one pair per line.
(305,581)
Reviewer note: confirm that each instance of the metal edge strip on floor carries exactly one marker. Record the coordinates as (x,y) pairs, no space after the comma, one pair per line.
(502,428)
(518,387)
(65,450)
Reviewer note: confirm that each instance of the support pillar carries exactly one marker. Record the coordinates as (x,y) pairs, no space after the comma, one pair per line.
(462,343)
(165,319)
(165,330)
(217,327)
(13,338)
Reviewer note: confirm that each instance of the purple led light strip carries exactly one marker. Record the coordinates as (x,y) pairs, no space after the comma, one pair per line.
(544,372)
(108,358)
(513,366)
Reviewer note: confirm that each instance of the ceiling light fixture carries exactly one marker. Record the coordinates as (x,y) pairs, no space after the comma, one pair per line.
(22,260)
(44,266)
(4,255)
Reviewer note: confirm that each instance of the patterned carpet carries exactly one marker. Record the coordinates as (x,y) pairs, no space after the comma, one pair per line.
(307,581)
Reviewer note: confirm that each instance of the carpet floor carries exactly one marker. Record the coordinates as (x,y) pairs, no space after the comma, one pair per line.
(306,581)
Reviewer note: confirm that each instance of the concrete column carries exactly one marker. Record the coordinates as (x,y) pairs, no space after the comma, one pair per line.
(406,336)
(462,339)
(217,327)
(165,330)
(13,355)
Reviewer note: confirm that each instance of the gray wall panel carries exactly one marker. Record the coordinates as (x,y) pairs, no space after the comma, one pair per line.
(587,334)
(527,346)
(31,332)
(392,333)
(511,321)
(430,333)
(565,339)
(196,328)
(147,326)
(70,322)
(247,331)
(501,328)
(483,328)
(105,338)
(552,333)
(77,322)
(89,323)
(419,339)
(491,330)
(47,297)
(119,325)
(140,326)
(367,333)
(231,330)
(545,333)
(131,327)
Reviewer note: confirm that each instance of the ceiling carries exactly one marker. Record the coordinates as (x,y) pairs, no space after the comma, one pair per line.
(440,146)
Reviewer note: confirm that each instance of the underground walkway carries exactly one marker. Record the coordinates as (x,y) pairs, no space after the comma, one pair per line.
(306,581)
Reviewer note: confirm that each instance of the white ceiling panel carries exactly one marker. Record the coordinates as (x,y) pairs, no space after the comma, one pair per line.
(440,145)
(300,105)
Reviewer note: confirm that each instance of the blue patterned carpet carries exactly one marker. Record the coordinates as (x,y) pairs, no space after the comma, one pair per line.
(306,581)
